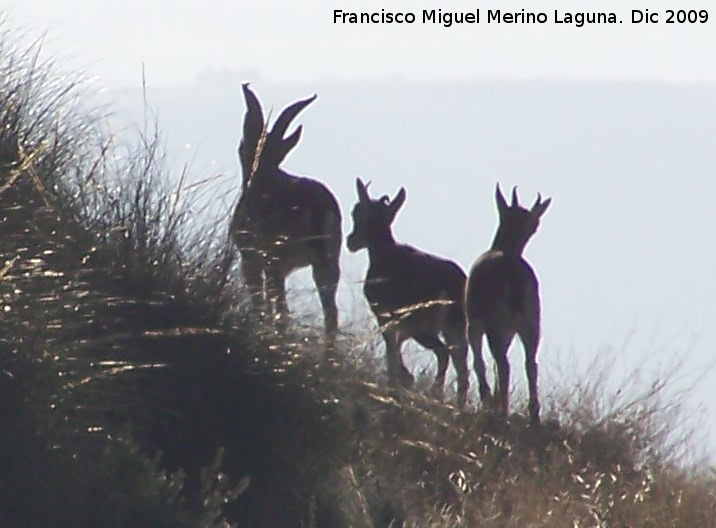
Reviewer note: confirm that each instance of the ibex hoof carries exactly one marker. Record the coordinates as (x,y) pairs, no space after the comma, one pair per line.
(404,381)
(488,401)
(535,419)
(407,381)
(461,401)
(437,392)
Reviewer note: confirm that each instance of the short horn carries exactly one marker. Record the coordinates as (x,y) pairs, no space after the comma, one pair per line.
(538,200)
(515,200)
(500,199)
(362,190)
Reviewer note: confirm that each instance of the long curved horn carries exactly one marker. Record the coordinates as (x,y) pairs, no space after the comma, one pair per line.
(254,118)
(288,115)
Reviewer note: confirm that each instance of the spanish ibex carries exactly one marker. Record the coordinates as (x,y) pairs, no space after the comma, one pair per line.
(283,222)
(412,294)
(502,300)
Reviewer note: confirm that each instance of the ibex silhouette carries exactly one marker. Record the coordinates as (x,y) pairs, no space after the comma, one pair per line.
(502,299)
(283,222)
(413,294)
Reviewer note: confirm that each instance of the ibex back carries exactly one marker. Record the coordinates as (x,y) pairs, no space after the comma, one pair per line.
(412,294)
(502,300)
(283,222)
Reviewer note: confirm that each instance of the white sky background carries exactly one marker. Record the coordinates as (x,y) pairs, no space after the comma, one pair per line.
(292,40)
(615,197)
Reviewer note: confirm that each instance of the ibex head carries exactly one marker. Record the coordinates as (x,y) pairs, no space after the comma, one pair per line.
(259,149)
(517,224)
(372,218)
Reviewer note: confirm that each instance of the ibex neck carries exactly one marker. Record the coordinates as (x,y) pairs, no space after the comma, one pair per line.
(508,244)
(261,178)
(381,240)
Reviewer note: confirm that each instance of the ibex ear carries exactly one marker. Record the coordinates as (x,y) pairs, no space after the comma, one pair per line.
(539,207)
(397,202)
(362,191)
(515,199)
(500,200)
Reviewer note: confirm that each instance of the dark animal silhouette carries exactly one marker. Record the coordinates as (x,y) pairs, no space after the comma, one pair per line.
(283,222)
(502,300)
(413,294)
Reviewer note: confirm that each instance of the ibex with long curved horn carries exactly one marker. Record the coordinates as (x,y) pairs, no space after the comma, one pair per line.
(413,294)
(283,222)
(502,300)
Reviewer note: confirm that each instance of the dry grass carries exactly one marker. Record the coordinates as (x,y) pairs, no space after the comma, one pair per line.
(426,464)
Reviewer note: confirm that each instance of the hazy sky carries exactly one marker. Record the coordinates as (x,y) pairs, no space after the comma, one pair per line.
(289,40)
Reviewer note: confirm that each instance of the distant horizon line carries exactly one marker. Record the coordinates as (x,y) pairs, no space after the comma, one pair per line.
(249,75)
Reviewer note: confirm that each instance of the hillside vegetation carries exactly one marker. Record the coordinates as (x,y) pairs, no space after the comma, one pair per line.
(135,389)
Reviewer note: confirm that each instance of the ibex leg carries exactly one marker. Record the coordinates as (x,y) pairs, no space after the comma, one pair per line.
(252,268)
(499,343)
(397,373)
(475,333)
(530,340)
(326,276)
(458,352)
(442,354)
(276,292)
